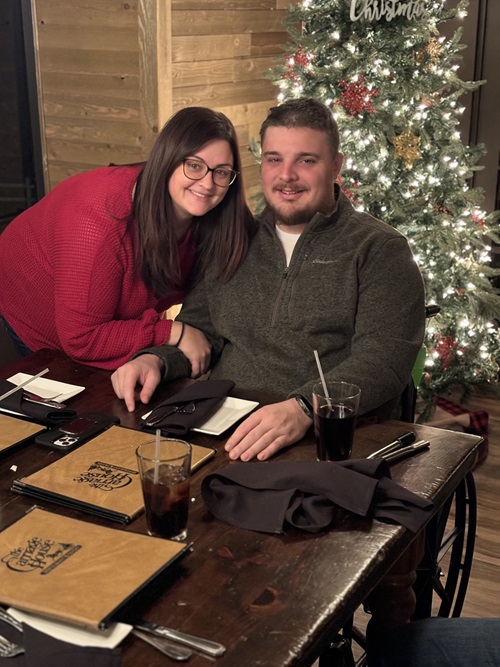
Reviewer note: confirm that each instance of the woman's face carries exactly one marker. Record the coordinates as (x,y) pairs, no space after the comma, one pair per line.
(195,198)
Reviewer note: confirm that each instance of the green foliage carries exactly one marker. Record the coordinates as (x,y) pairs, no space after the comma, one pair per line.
(394,90)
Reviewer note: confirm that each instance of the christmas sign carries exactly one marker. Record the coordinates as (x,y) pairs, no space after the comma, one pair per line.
(374,10)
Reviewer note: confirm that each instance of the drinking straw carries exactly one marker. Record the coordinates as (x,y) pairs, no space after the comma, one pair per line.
(157,457)
(321,375)
(23,384)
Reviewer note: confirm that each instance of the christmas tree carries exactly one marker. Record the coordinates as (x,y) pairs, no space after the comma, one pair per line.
(391,81)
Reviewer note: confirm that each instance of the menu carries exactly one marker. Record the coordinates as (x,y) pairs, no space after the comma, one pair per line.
(73,571)
(100,477)
(14,431)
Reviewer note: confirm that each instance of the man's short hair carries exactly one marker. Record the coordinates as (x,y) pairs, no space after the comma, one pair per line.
(303,112)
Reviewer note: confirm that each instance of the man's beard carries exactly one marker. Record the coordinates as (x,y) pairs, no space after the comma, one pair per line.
(291,218)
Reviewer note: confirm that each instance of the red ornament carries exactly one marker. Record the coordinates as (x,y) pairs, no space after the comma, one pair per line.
(349,193)
(357,96)
(478,218)
(294,62)
(446,348)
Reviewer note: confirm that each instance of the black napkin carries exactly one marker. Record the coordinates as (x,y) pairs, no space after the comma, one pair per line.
(207,395)
(42,650)
(41,413)
(270,496)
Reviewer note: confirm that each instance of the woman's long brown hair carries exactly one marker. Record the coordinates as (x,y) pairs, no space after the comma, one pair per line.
(221,236)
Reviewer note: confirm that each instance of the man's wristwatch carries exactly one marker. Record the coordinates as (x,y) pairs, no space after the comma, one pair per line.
(304,406)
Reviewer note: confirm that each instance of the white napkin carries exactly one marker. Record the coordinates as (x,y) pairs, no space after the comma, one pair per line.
(109,638)
(49,389)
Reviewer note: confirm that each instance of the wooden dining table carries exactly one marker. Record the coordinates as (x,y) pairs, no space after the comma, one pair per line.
(272,600)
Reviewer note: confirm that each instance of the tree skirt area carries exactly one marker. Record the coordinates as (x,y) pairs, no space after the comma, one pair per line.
(457,418)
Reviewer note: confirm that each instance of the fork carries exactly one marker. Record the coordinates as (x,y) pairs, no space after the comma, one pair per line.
(8,649)
(186,409)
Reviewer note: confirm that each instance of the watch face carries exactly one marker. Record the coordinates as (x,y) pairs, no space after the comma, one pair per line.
(304,406)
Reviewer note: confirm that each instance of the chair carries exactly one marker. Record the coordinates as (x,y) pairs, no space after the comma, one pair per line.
(452,530)
(450,534)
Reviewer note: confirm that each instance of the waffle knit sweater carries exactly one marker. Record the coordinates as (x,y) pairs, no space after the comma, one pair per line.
(352,291)
(67,276)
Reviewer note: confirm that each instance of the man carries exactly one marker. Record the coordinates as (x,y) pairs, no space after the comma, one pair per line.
(318,275)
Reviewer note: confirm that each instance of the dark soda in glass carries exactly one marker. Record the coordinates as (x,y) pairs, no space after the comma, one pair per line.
(167,502)
(334,433)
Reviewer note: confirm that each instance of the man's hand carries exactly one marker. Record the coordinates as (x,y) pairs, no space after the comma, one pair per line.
(144,371)
(197,349)
(268,430)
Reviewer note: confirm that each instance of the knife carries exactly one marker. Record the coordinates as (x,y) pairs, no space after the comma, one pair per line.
(167,648)
(211,648)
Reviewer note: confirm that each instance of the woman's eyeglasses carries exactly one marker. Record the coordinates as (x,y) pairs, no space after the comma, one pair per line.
(196,170)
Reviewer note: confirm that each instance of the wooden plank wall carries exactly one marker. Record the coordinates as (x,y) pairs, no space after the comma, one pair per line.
(110,73)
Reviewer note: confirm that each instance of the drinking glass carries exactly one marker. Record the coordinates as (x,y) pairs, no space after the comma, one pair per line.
(335,419)
(165,469)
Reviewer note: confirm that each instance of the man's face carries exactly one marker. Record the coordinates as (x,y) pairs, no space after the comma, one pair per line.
(298,171)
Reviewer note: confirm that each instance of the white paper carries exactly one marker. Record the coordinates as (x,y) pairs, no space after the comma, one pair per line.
(228,414)
(109,638)
(50,389)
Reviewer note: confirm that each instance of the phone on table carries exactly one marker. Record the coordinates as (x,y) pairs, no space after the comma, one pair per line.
(76,432)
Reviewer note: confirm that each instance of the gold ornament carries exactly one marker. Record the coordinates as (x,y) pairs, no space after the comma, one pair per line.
(407,146)
(429,55)
(433,50)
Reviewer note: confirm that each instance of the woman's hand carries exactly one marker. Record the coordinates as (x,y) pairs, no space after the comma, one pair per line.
(195,346)
(143,372)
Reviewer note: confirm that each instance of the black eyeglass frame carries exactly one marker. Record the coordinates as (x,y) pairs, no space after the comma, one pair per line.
(234,173)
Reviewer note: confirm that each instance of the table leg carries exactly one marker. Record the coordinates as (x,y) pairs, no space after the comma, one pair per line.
(393,601)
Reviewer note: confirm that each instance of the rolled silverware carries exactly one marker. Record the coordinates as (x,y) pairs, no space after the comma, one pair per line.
(207,646)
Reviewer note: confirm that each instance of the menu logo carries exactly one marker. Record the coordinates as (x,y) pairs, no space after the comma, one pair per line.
(106,477)
(39,555)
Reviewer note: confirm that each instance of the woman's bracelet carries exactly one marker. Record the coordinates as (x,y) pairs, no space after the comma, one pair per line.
(180,337)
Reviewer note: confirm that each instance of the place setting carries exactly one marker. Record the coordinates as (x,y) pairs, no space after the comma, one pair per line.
(31,403)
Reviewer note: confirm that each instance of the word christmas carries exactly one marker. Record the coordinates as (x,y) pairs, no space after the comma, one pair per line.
(374,10)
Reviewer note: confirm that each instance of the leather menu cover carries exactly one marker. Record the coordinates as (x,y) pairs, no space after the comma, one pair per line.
(14,431)
(77,572)
(100,477)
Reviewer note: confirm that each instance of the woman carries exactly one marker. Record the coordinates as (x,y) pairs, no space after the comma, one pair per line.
(92,266)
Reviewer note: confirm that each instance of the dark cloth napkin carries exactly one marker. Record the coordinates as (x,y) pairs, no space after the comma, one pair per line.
(270,496)
(207,395)
(37,411)
(44,651)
